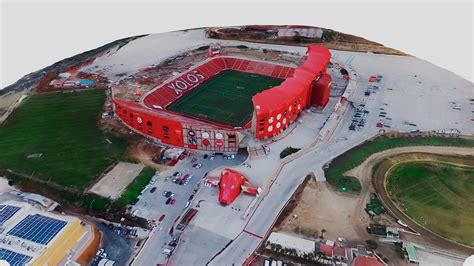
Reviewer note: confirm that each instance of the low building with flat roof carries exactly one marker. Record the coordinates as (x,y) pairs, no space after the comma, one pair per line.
(30,236)
(288,241)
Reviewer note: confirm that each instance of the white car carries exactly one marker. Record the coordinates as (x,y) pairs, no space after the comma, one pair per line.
(341,239)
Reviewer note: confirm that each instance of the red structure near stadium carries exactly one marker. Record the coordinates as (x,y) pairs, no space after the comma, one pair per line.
(274,109)
(231,183)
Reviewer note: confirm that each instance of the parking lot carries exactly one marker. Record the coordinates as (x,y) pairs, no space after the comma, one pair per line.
(152,205)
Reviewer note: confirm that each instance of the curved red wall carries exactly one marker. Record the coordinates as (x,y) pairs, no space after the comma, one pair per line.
(167,130)
(277,107)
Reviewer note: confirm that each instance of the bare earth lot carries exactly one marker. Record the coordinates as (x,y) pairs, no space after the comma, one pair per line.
(320,207)
(114,182)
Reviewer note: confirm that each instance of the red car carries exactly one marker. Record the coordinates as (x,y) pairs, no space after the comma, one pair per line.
(173,201)
(162,217)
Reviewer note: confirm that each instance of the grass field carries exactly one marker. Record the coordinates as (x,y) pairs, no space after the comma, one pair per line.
(63,128)
(355,156)
(225,98)
(436,195)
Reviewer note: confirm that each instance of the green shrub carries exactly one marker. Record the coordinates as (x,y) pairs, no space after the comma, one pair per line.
(287,151)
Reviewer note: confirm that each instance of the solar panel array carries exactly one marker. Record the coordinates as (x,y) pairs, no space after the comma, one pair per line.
(38,228)
(6,212)
(13,258)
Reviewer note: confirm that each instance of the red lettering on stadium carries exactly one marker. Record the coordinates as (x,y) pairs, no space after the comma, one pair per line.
(186,82)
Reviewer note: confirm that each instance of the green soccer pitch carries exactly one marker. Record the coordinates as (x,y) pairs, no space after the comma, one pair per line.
(436,195)
(225,98)
(54,137)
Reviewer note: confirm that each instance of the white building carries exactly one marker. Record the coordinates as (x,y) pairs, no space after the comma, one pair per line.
(288,241)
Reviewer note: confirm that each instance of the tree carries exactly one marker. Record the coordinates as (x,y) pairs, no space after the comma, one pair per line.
(322,233)
(272,247)
(371,244)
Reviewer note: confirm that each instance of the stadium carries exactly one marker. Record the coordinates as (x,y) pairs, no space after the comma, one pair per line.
(217,102)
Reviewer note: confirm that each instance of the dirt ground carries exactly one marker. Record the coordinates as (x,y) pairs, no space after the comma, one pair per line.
(144,152)
(114,182)
(10,98)
(320,207)
(341,41)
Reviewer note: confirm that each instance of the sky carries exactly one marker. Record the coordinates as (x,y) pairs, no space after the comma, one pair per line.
(35,34)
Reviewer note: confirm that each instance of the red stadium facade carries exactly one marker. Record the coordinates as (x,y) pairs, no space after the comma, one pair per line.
(274,109)
(277,107)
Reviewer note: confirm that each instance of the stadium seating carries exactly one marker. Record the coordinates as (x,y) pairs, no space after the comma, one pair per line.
(170,91)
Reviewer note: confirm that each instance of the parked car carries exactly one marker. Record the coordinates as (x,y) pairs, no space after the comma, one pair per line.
(168,201)
(173,201)
(167,251)
(177,174)
(153,189)
(173,242)
(341,239)
(162,217)
(197,165)
(135,201)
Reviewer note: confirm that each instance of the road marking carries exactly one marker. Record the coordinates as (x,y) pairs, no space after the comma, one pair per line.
(252,234)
